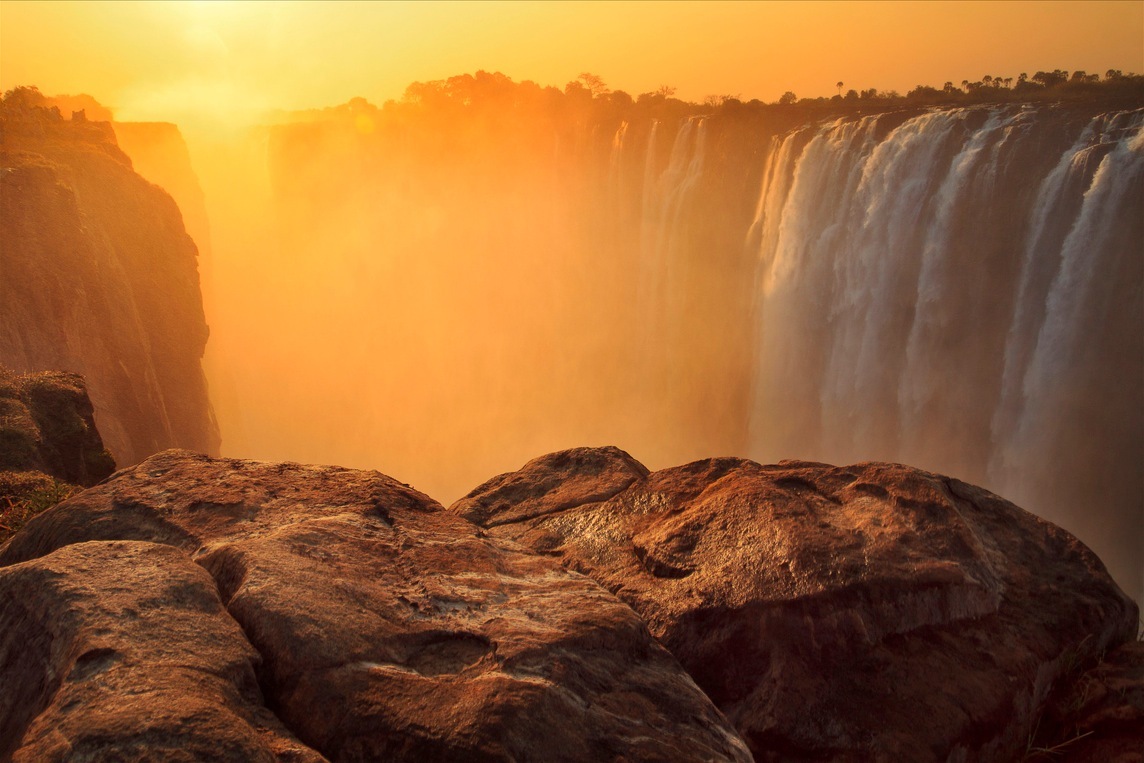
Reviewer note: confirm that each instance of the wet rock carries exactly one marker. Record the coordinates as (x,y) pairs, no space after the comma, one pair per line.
(867,612)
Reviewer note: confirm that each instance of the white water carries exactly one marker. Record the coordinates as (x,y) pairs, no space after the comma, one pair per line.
(917,303)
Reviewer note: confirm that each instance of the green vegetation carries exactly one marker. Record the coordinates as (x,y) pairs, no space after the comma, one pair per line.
(23,495)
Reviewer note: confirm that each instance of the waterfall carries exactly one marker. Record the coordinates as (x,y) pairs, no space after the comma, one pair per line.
(961,290)
(666,196)
(1068,430)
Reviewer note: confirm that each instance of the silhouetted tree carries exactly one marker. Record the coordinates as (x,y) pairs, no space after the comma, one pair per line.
(1050,79)
(715,101)
(594,83)
(788,97)
(25,98)
(26,103)
(839,86)
(619,99)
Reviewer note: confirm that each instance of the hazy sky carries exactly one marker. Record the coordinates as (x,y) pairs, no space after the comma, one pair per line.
(168,60)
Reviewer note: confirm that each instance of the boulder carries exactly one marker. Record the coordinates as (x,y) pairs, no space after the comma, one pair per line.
(389,628)
(551,483)
(873,611)
(123,651)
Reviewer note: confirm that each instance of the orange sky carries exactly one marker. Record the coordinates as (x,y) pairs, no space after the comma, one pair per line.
(184,61)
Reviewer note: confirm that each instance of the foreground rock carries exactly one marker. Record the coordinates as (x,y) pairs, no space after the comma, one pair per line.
(866,612)
(123,651)
(387,628)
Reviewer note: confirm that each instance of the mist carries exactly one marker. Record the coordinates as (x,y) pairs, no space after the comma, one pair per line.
(448,285)
(436,294)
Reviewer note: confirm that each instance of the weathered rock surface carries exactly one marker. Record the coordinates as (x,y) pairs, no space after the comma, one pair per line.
(868,612)
(123,651)
(389,628)
(551,483)
(100,278)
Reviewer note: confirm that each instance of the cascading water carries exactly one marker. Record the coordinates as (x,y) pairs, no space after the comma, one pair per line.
(664,203)
(918,303)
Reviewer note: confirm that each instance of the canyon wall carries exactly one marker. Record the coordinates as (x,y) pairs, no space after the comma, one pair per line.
(100,278)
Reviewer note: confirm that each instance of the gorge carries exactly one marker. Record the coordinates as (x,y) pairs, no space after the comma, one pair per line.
(957,288)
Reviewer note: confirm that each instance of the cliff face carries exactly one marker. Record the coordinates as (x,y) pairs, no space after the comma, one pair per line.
(100,278)
(159,154)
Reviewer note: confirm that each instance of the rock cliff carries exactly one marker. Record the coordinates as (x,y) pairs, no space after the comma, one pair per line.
(160,155)
(49,445)
(100,278)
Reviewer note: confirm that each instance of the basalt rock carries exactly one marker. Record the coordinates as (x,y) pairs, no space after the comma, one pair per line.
(382,626)
(49,445)
(868,612)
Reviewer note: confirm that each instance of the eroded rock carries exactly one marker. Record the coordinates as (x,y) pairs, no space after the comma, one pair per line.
(551,483)
(123,651)
(870,611)
(391,629)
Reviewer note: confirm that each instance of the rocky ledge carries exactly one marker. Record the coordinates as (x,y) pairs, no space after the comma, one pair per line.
(580,609)
(49,445)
